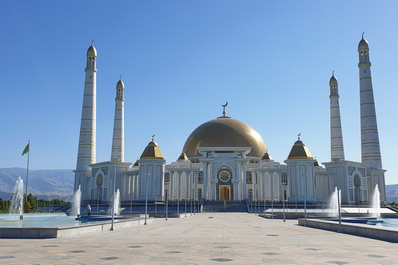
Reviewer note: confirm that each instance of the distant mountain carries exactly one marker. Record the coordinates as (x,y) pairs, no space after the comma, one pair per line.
(48,183)
(392,193)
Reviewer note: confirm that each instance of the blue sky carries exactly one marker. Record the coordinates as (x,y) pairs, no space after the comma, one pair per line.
(180,60)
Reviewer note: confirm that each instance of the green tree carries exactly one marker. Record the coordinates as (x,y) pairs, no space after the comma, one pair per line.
(33,201)
(28,207)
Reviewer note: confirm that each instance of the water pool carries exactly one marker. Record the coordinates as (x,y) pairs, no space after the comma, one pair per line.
(388,222)
(37,220)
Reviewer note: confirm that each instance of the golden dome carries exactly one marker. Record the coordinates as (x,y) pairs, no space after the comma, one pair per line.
(363,44)
(152,151)
(91,52)
(225,132)
(183,157)
(299,151)
(333,81)
(267,157)
(120,84)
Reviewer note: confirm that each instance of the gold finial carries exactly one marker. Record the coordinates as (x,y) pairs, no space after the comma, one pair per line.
(92,42)
(362,34)
(120,77)
(153,137)
(224,106)
(298,136)
(333,73)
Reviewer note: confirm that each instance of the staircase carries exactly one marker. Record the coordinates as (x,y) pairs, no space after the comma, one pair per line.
(224,206)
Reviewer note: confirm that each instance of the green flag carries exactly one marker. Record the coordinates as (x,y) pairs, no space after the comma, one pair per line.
(26,150)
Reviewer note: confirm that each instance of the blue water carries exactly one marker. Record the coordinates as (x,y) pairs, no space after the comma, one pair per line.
(38,220)
(388,222)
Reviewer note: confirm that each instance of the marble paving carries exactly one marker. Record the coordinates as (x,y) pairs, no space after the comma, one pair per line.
(207,238)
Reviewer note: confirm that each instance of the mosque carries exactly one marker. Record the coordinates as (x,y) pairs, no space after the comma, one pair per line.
(225,159)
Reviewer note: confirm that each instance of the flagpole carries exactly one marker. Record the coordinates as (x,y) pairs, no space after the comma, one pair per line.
(27,174)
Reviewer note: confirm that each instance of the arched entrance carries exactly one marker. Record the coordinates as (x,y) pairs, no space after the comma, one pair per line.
(224,193)
(224,184)
(357,190)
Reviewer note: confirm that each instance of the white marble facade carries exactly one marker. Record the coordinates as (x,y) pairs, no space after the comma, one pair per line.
(226,159)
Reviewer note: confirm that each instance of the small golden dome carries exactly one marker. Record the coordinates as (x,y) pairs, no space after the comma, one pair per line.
(152,151)
(91,52)
(363,45)
(183,157)
(225,132)
(120,84)
(266,156)
(299,151)
(333,81)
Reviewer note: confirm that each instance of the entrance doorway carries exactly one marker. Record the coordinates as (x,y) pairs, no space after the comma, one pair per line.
(224,193)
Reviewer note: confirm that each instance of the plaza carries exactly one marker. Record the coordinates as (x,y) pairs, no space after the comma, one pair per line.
(206,238)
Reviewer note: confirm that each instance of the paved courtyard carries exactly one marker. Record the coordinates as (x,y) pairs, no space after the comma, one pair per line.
(207,238)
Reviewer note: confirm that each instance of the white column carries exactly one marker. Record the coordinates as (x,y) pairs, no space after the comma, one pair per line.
(205,180)
(118,125)
(137,186)
(336,134)
(187,185)
(87,140)
(244,186)
(370,145)
(213,180)
(236,182)
(264,186)
(272,185)
(195,181)
(171,186)
(179,185)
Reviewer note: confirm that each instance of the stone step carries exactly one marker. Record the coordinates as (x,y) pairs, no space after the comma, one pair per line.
(224,206)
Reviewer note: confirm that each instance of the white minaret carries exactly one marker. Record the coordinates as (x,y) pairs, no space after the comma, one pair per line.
(370,145)
(336,135)
(87,140)
(118,125)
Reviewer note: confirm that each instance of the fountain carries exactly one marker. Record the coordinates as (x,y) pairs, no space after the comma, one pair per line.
(376,203)
(116,202)
(333,204)
(375,207)
(75,209)
(17,199)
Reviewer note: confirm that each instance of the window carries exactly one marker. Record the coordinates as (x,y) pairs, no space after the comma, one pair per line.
(167,177)
(249,177)
(284,179)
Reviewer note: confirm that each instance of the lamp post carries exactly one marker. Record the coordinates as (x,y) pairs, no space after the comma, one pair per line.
(284,214)
(194,192)
(305,202)
(113,198)
(186,194)
(167,205)
(272,194)
(131,193)
(190,189)
(146,196)
(339,206)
